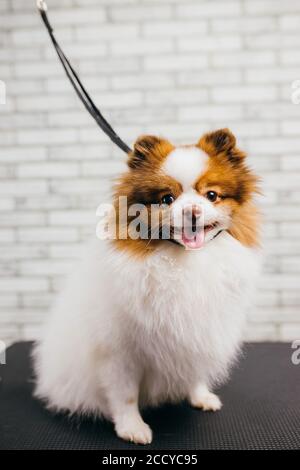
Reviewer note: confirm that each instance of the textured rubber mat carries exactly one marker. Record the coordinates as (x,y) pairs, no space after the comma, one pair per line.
(261,411)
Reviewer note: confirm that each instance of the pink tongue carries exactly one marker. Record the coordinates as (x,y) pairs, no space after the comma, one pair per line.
(195,241)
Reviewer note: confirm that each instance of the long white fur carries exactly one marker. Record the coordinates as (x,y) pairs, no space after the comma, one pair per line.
(127,332)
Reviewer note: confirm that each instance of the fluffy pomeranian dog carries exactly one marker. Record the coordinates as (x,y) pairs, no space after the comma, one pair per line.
(152,319)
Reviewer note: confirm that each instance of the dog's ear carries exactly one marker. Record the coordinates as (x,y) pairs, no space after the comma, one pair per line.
(148,148)
(218,142)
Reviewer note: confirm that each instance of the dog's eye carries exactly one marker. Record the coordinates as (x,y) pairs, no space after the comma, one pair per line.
(212,196)
(168,199)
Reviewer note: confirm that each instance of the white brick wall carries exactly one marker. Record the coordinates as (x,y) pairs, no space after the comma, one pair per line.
(171,67)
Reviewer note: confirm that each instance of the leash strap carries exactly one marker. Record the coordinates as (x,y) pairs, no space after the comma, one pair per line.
(77,85)
(218,233)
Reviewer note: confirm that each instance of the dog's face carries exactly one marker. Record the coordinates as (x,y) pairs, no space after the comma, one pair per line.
(189,194)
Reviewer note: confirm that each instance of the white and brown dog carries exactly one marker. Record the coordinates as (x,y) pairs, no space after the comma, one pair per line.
(145,321)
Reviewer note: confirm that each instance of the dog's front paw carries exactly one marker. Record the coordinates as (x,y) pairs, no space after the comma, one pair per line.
(207,401)
(134,430)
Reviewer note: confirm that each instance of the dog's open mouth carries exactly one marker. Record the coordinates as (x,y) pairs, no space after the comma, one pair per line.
(193,237)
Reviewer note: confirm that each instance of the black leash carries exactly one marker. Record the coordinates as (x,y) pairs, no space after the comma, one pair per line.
(77,85)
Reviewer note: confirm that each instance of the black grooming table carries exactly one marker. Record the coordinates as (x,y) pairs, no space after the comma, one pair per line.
(261,411)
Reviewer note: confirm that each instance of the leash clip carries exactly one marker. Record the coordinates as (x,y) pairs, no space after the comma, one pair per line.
(42,5)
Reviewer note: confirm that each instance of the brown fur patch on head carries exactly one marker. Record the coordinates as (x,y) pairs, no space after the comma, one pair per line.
(234,182)
(245,225)
(149,149)
(145,184)
(218,141)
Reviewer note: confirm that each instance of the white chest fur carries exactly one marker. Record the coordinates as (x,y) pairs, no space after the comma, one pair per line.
(171,320)
(185,310)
